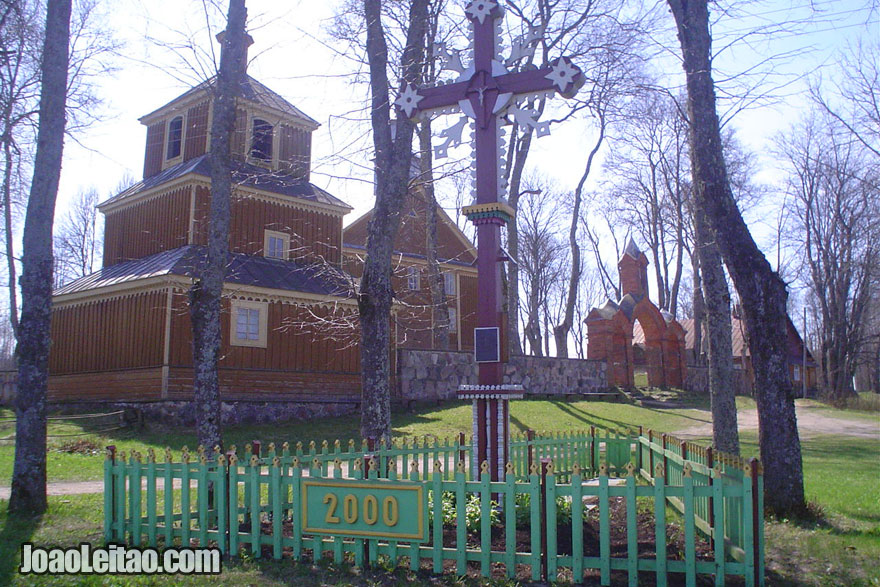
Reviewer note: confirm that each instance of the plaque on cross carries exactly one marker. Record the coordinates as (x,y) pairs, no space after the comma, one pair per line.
(490,96)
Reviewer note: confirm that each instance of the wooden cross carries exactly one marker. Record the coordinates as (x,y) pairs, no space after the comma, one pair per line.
(488,93)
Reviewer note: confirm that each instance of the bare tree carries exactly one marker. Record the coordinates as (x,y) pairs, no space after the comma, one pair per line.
(604,41)
(834,218)
(854,102)
(21,40)
(392,161)
(541,260)
(206,293)
(762,292)
(77,239)
(29,472)
(649,188)
(21,45)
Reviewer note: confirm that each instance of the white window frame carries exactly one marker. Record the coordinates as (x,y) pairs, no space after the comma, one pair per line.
(276,122)
(270,234)
(796,373)
(166,161)
(453,320)
(263,319)
(413,278)
(449,283)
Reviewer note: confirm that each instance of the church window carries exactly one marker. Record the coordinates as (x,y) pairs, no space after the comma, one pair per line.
(249,323)
(449,283)
(175,138)
(276,244)
(413,282)
(453,320)
(261,145)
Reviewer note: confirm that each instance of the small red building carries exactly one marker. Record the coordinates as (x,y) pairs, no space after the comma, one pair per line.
(610,330)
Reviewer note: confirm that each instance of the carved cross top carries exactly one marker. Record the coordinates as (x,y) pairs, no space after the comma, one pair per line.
(487,92)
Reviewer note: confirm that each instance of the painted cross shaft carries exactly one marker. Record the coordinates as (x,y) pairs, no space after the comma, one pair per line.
(486,92)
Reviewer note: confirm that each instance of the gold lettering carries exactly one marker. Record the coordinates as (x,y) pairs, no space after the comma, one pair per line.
(371,510)
(350,509)
(390,511)
(331,518)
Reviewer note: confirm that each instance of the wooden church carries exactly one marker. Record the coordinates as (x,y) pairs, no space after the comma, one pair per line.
(123,334)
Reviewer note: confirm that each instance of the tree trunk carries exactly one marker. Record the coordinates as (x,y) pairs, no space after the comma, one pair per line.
(207,293)
(7,222)
(716,297)
(29,471)
(560,332)
(439,309)
(762,291)
(520,155)
(393,159)
(699,309)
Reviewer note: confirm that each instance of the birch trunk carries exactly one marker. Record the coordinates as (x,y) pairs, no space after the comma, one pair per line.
(207,293)
(392,162)
(32,352)
(716,298)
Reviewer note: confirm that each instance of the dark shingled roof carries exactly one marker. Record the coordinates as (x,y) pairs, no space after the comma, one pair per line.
(242,269)
(245,174)
(414,256)
(251,90)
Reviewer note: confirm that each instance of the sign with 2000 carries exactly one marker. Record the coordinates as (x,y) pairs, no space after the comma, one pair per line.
(368,508)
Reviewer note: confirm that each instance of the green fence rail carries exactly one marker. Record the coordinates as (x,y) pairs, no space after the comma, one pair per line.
(583,502)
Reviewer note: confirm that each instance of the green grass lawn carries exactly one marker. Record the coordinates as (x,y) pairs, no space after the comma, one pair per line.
(443,422)
(842,480)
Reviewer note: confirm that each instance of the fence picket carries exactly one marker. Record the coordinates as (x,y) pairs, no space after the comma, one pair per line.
(461,516)
(604,527)
(577,526)
(510,521)
(632,528)
(185,509)
(690,557)
(253,474)
(437,517)
(552,551)
(660,523)
(168,496)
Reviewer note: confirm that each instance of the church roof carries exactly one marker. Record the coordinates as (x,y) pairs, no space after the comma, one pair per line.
(244,174)
(251,90)
(242,269)
(631,249)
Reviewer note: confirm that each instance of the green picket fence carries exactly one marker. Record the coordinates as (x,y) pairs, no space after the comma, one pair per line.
(533,521)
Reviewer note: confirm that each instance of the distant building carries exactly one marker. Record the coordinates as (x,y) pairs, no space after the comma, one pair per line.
(742,358)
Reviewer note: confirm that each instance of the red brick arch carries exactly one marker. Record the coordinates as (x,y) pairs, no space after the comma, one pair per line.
(610,330)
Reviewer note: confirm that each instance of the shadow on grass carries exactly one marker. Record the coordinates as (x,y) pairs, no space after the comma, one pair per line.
(16,530)
(590,419)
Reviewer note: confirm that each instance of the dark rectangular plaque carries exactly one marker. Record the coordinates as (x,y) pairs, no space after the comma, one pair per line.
(487,345)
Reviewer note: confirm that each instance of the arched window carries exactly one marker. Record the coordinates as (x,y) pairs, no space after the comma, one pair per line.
(261,144)
(175,137)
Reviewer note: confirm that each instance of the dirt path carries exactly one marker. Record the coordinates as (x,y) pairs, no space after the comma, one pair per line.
(79,487)
(812,421)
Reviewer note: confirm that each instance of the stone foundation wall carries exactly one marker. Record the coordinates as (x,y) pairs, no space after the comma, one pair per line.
(425,375)
(697,379)
(183,413)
